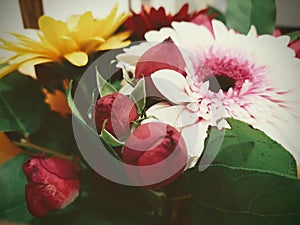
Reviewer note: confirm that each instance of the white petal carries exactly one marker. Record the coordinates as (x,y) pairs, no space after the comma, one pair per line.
(194,137)
(177,116)
(160,35)
(172,85)
(220,30)
(165,113)
(192,36)
(132,54)
(252,32)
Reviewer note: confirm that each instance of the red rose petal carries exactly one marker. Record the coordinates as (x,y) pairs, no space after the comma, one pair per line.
(165,55)
(152,143)
(119,111)
(34,204)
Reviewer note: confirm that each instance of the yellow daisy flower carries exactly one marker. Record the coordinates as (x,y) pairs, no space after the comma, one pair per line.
(73,40)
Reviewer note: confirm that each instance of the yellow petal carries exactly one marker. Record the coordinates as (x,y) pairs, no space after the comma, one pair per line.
(28,66)
(89,45)
(116,41)
(77,58)
(53,30)
(70,45)
(72,22)
(8,69)
(118,22)
(104,26)
(85,26)
(7,149)
(22,58)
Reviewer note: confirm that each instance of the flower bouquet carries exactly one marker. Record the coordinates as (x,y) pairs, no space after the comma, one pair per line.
(193,123)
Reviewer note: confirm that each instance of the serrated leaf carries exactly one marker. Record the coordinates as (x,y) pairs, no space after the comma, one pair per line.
(12,195)
(294,35)
(104,87)
(247,148)
(223,195)
(22,106)
(240,15)
(138,95)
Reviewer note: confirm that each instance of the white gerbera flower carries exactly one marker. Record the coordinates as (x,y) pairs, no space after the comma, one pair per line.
(246,77)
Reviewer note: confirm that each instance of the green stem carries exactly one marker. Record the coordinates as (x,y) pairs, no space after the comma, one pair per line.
(42,149)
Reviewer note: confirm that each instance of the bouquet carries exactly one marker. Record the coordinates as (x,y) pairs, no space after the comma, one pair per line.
(152,118)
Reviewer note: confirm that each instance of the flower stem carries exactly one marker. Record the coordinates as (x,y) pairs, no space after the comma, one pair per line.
(42,149)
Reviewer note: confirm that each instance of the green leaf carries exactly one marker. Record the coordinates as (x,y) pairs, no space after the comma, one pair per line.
(294,35)
(12,195)
(56,133)
(223,195)
(240,15)
(108,138)
(263,16)
(212,11)
(22,106)
(104,87)
(138,95)
(72,104)
(245,147)
(108,204)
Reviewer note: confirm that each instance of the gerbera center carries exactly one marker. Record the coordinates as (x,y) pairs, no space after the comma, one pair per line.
(218,82)
(226,73)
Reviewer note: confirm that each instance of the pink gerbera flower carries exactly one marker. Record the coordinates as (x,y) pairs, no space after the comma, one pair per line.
(246,77)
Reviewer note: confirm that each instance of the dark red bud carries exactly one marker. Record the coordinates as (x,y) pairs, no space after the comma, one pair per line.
(52,184)
(152,143)
(119,111)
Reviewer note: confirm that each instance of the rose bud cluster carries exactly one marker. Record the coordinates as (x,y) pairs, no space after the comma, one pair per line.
(119,111)
(52,184)
(153,144)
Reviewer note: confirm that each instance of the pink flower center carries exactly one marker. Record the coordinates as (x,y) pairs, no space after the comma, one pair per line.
(223,73)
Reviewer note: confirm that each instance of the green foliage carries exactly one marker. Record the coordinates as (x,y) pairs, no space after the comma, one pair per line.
(294,35)
(12,195)
(138,95)
(253,180)
(216,13)
(22,104)
(223,195)
(240,15)
(104,87)
(108,138)
(247,148)
(56,133)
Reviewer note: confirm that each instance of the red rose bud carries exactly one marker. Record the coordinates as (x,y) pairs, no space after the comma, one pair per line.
(165,55)
(52,184)
(295,45)
(119,111)
(204,20)
(152,143)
